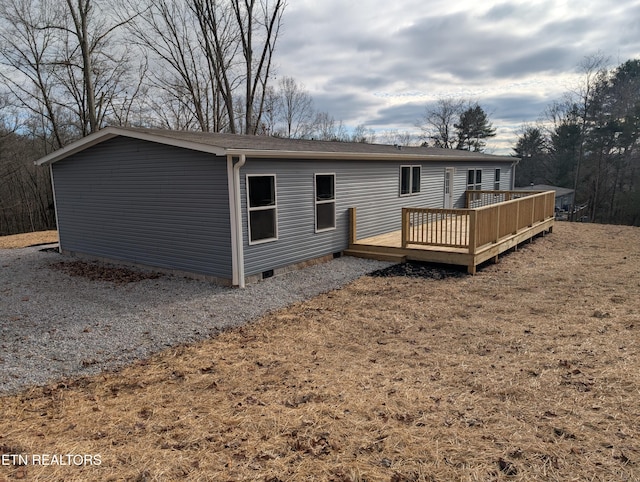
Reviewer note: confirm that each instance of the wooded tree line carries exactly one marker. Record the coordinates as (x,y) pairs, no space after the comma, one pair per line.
(590,142)
(68,68)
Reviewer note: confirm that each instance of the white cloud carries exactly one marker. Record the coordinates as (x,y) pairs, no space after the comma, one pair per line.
(379,62)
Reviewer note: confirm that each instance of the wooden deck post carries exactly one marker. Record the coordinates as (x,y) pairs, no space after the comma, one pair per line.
(353,233)
(533,211)
(498,212)
(473,230)
(405,227)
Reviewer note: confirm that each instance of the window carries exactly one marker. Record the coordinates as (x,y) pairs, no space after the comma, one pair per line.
(262,208)
(474,180)
(409,180)
(325,200)
(496,181)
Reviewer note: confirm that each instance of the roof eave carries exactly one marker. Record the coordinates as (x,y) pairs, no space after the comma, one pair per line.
(363,156)
(111,132)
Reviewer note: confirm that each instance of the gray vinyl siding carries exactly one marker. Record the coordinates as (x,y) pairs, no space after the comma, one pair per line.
(488,177)
(373,188)
(146,203)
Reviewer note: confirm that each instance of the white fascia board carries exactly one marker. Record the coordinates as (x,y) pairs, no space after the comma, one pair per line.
(274,154)
(74,147)
(111,132)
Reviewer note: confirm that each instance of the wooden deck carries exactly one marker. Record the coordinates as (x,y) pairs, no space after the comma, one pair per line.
(465,237)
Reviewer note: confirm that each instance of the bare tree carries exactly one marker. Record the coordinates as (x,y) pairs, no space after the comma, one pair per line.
(295,108)
(271,114)
(88,61)
(581,97)
(437,125)
(26,197)
(28,51)
(363,134)
(130,107)
(215,57)
(60,66)
(327,129)
(259,27)
(239,38)
(182,77)
(396,137)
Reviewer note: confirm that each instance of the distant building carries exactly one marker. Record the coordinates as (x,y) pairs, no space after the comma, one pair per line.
(564,196)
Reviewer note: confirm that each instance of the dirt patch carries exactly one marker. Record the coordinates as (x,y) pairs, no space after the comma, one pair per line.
(28,239)
(103,272)
(416,269)
(528,370)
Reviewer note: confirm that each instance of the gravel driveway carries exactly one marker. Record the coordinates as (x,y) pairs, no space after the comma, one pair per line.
(54,325)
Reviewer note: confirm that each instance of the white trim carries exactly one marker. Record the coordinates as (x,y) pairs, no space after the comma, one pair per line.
(232,221)
(238,215)
(55,207)
(274,208)
(411,191)
(330,201)
(235,214)
(365,156)
(474,186)
(450,176)
(111,132)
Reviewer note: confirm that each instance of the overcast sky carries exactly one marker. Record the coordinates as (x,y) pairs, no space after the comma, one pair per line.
(380,62)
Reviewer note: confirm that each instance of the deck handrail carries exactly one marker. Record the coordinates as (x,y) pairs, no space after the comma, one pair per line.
(472,228)
(479,198)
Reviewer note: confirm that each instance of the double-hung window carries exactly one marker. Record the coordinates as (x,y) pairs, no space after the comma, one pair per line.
(325,201)
(262,208)
(409,180)
(496,180)
(474,180)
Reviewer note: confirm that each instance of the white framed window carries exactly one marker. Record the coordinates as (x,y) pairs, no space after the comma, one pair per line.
(474,180)
(325,201)
(262,208)
(409,180)
(496,180)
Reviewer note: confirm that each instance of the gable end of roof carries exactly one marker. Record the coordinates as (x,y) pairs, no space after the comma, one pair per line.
(112,132)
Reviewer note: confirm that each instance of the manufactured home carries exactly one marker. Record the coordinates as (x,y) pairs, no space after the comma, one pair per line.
(235,208)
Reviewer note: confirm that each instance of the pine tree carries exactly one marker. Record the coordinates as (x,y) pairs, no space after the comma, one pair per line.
(472,128)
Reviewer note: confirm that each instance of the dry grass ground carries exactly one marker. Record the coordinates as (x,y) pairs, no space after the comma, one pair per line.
(28,239)
(529,370)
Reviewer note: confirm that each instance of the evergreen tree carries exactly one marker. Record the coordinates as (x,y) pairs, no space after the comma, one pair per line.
(472,128)
(532,148)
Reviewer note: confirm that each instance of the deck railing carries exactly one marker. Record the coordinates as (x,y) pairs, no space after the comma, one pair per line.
(477,199)
(435,227)
(473,228)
